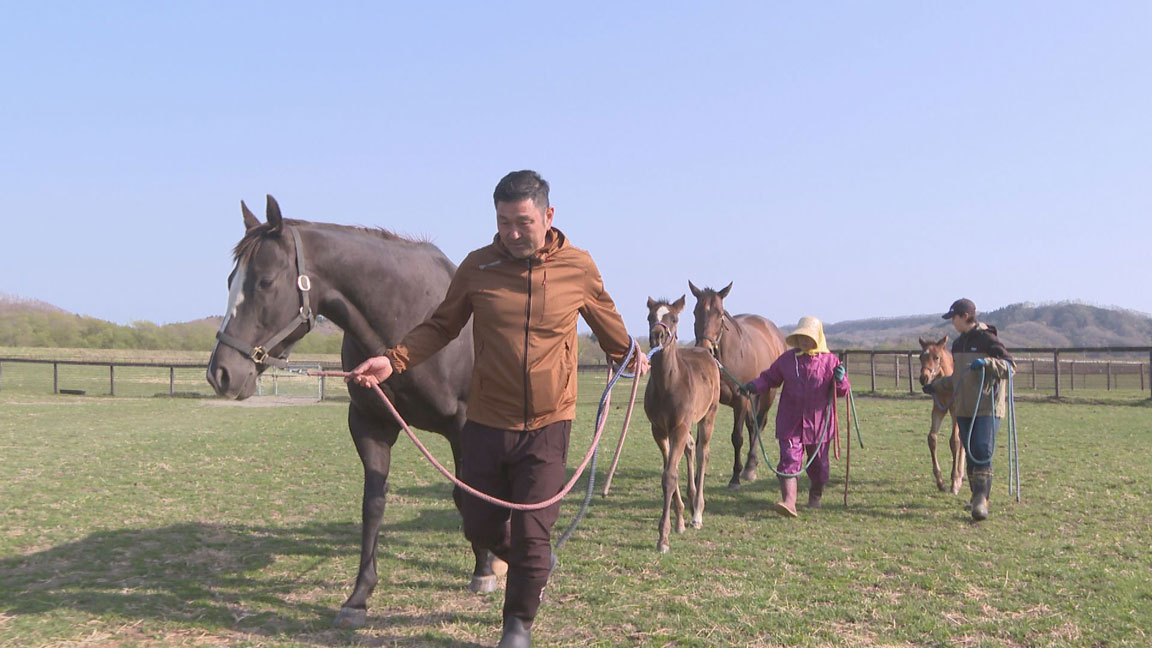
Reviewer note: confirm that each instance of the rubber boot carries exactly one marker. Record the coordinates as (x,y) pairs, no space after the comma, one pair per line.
(815,492)
(981,487)
(787,504)
(515,634)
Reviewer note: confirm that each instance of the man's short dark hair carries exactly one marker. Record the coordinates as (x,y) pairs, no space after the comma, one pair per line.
(522,185)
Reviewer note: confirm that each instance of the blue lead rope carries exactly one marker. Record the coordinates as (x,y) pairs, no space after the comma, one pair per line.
(1013,437)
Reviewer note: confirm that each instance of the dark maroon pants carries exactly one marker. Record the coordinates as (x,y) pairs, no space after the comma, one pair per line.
(520,467)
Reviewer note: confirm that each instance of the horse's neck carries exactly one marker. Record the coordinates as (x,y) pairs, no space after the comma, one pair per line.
(359,272)
(667,369)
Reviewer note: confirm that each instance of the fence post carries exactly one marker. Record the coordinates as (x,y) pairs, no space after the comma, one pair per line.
(1108,368)
(1141,376)
(275,384)
(111,380)
(2,377)
(1072,375)
(896,370)
(1033,374)
(872,368)
(1056,372)
(323,385)
(55,378)
(910,373)
(1150,373)
(171,381)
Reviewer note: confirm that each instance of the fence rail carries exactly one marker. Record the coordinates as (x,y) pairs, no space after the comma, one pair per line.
(1038,368)
(1042,369)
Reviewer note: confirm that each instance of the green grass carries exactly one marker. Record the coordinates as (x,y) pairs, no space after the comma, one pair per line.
(145,521)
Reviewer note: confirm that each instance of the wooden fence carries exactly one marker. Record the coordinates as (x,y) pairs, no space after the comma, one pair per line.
(1038,368)
(1054,370)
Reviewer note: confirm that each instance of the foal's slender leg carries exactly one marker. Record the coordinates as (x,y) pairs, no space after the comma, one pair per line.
(374,441)
(703,449)
(750,418)
(933,437)
(959,465)
(690,466)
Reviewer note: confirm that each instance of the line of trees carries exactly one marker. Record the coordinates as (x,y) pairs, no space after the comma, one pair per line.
(65,330)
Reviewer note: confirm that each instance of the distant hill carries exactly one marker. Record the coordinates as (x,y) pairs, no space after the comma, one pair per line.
(1061,324)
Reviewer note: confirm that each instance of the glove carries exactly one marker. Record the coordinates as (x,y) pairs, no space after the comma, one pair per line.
(978,363)
(839,372)
(930,388)
(748,389)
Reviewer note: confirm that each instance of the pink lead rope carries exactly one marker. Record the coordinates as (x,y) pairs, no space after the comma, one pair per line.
(469,489)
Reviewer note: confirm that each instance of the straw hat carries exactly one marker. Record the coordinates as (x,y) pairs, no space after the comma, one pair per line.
(811,328)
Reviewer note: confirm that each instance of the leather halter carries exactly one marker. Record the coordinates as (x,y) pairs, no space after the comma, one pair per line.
(716,343)
(259,353)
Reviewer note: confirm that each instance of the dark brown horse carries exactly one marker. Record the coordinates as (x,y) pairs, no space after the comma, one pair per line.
(683,389)
(936,361)
(745,345)
(375,286)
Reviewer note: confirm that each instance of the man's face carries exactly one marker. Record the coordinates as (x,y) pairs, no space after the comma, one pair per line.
(522,226)
(961,323)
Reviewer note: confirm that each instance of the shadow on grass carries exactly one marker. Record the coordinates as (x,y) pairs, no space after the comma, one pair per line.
(224,579)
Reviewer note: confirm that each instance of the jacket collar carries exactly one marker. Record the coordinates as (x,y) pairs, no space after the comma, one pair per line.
(554,241)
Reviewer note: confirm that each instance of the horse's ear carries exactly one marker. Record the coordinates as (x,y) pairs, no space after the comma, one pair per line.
(943,341)
(250,220)
(724,293)
(274,217)
(694,289)
(651,303)
(923,343)
(678,305)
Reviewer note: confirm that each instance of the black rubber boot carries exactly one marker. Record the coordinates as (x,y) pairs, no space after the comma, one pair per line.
(515,634)
(981,482)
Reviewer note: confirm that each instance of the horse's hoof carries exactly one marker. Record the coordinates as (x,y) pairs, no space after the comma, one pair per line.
(662,547)
(697,524)
(941,487)
(748,476)
(351,618)
(483,584)
(734,484)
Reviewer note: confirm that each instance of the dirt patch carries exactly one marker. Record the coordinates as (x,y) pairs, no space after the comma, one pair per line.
(271,401)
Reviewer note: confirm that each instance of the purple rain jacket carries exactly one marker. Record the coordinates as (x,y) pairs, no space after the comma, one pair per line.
(806,381)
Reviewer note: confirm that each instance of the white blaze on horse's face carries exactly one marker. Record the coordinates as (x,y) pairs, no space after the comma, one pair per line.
(235,293)
(661,312)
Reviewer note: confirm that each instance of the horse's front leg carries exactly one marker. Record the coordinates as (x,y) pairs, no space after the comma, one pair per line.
(933,438)
(748,418)
(703,450)
(959,464)
(737,443)
(374,444)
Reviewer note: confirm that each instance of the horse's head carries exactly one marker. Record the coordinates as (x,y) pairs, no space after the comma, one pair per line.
(709,313)
(268,305)
(935,360)
(662,320)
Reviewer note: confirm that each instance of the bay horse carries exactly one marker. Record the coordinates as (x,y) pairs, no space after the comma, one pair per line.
(745,345)
(683,389)
(935,362)
(376,286)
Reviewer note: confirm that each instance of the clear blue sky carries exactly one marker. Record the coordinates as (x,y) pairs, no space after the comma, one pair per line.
(844,160)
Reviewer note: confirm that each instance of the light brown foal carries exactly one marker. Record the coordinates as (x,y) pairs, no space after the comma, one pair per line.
(936,361)
(683,389)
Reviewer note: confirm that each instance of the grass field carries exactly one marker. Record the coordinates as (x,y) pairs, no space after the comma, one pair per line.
(156,521)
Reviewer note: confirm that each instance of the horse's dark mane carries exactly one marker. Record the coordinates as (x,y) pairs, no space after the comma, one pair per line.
(253,237)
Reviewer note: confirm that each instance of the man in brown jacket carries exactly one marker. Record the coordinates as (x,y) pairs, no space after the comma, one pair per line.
(523,293)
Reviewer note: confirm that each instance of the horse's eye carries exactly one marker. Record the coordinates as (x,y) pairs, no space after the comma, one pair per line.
(265,284)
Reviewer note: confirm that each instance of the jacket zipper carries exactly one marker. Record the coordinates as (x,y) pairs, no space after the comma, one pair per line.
(527,328)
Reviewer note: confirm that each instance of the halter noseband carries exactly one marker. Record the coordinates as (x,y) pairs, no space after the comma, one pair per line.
(259,353)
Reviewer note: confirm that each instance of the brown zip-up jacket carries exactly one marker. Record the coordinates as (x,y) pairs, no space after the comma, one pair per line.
(966,384)
(524,329)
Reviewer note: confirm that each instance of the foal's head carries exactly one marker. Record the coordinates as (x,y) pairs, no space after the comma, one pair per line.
(709,315)
(662,320)
(935,360)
